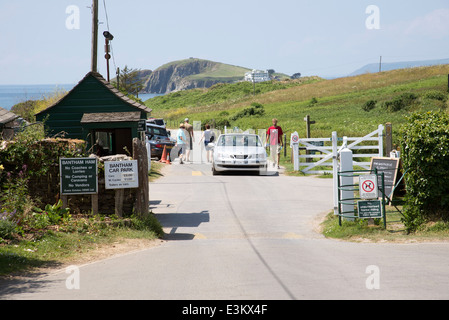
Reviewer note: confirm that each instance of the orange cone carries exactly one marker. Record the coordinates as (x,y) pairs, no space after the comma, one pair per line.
(168,159)
(164,155)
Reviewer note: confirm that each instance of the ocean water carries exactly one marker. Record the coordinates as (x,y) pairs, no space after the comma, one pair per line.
(13,94)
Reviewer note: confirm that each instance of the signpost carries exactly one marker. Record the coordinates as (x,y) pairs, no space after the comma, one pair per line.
(121,174)
(369,209)
(368,186)
(294,141)
(389,166)
(78,176)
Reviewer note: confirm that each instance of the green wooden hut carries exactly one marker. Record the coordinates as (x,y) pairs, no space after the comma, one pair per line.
(98,113)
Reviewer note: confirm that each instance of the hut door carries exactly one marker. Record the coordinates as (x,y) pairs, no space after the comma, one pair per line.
(123,139)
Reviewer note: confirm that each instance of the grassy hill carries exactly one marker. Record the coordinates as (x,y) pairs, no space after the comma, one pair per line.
(191,73)
(336,105)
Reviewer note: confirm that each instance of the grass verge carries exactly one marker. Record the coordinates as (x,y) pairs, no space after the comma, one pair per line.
(77,238)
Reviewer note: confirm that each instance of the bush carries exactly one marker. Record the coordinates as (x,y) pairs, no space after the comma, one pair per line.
(7,228)
(369,105)
(256,109)
(401,102)
(436,95)
(425,156)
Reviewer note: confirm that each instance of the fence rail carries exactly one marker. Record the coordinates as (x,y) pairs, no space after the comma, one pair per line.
(329,149)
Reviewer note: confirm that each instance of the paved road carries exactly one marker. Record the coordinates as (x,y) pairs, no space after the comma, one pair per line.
(249,237)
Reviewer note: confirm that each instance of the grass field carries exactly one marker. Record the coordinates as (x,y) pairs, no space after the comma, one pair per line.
(335,105)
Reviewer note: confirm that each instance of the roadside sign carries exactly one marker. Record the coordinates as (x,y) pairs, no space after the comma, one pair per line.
(142,125)
(368,186)
(369,209)
(121,174)
(294,138)
(78,176)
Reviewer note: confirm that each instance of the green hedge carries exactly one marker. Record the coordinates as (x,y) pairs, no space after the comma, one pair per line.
(425,156)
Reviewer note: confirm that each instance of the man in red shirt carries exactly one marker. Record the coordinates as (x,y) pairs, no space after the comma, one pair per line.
(274,136)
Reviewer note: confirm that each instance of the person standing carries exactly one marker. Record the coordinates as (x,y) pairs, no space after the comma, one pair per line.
(208,137)
(190,138)
(181,141)
(274,138)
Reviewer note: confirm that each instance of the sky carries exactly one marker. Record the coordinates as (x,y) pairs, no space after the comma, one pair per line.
(49,41)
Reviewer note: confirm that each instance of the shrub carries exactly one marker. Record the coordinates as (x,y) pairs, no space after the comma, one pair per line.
(256,109)
(436,95)
(401,102)
(369,105)
(425,156)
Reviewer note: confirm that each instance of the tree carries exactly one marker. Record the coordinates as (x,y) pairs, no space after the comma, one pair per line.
(130,80)
(296,75)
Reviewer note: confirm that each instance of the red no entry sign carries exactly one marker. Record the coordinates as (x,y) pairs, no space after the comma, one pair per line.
(368,186)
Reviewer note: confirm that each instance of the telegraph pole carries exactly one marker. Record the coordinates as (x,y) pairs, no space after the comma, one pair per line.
(94,35)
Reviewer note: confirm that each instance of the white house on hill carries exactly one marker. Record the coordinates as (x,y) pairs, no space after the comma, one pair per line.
(257,76)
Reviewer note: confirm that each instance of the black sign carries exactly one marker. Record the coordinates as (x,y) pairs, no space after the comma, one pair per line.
(369,209)
(78,175)
(141,126)
(389,166)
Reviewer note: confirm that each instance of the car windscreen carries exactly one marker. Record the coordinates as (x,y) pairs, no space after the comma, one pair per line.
(157,131)
(239,141)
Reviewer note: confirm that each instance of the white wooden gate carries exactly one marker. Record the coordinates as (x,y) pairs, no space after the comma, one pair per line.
(329,148)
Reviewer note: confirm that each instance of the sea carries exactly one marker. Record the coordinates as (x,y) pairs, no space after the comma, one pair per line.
(13,94)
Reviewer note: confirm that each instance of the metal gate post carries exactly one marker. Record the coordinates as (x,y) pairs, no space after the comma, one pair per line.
(346,165)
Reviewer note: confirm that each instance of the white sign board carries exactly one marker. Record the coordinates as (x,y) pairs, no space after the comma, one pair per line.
(294,143)
(121,174)
(294,138)
(368,186)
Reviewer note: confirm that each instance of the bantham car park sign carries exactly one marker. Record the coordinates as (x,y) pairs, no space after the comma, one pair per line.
(78,176)
(121,174)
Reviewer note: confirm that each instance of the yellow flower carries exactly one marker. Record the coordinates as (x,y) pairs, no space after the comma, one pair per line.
(2,167)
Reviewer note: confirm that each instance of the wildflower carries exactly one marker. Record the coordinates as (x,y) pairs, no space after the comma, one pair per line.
(2,167)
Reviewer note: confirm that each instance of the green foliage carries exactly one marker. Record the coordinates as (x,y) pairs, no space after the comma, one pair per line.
(29,149)
(401,102)
(54,213)
(436,95)
(425,154)
(369,105)
(218,93)
(256,109)
(7,228)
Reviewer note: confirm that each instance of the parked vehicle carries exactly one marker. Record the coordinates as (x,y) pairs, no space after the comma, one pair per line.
(158,121)
(239,152)
(159,138)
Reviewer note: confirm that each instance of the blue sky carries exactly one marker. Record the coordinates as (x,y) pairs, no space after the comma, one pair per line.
(321,37)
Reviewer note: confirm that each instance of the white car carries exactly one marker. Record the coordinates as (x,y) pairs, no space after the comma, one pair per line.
(239,152)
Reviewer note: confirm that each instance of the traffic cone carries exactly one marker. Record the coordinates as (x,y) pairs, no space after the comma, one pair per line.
(168,159)
(164,155)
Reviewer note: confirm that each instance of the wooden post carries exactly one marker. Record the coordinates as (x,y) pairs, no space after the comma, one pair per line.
(119,194)
(143,197)
(388,138)
(94,199)
(308,123)
(94,35)
(65,201)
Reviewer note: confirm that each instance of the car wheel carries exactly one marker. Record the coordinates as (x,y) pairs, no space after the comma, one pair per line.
(214,172)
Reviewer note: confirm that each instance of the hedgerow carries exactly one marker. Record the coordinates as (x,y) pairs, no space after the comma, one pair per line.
(425,156)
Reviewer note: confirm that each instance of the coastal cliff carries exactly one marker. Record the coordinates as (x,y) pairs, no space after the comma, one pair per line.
(189,74)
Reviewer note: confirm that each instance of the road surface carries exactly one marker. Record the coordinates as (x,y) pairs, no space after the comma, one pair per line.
(247,237)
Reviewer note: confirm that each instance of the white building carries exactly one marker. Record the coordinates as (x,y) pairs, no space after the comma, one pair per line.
(257,76)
